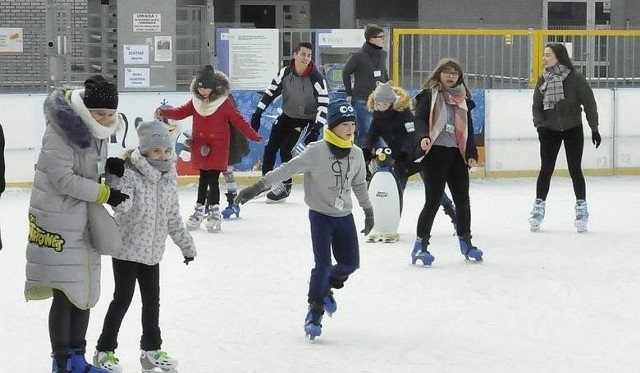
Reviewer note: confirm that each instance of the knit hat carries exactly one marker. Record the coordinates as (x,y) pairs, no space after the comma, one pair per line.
(384,93)
(339,111)
(152,135)
(371,31)
(205,78)
(100,94)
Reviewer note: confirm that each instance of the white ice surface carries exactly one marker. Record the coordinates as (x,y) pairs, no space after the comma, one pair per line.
(552,301)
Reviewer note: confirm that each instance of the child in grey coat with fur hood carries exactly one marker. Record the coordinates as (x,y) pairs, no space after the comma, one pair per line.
(148,175)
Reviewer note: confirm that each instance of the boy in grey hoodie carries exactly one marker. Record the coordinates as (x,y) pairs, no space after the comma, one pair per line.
(332,168)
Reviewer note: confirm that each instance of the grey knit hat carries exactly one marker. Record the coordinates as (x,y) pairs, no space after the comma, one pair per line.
(384,93)
(152,135)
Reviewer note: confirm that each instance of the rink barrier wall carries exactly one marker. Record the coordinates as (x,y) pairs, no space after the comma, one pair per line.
(507,132)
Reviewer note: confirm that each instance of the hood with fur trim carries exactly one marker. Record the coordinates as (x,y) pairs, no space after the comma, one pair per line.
(222,87)
(66,121)
(403,102)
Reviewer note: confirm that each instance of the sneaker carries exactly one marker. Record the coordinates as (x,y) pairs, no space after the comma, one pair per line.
(582,216)
(196,218)
(107,360)
(157,359)
(537,214)
(213,219)
(279,193)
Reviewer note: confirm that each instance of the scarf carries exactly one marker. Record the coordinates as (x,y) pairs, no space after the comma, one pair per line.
(339,147)
(162,166)
(450,96)
(204,107)
(551,88)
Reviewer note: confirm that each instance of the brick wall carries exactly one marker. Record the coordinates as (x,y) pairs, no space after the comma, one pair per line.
(27,72)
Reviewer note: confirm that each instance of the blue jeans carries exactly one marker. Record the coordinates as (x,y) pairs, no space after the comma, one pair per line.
(332,235)
(363,120)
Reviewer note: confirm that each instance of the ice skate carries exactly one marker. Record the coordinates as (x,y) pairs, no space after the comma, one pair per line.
(157,362)
(582,216)
(107,360)
(232,208)
(537,214)
(213,220)
(421,253)
(330,305)
(80,365)
(468,250)
(313,321)
(196,218)
(55,364)
(390,237)
(280,193)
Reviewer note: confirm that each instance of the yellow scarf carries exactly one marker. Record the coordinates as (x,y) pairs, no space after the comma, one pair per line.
(332,138)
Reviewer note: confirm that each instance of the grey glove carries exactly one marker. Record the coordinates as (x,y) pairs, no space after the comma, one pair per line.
(249,192)
(368,221)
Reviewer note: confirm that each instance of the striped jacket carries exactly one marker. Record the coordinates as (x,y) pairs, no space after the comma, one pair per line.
(304,96)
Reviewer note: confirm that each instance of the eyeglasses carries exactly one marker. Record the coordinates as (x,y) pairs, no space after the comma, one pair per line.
(378,37)
(453,74)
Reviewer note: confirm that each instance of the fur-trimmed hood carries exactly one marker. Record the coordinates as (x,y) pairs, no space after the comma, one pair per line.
(65,120)
(222,89)
(404,101)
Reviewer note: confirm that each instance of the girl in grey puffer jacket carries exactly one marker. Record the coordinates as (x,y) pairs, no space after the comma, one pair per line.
(145,221)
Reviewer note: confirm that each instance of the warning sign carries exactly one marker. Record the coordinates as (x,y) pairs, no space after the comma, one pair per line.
(147,22)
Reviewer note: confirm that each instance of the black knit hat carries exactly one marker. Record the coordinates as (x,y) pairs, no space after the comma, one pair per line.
(205,78)
(371,31)
(100,94)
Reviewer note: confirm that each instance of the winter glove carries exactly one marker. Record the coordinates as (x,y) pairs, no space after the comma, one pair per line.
(187,259)
(255,119)
(368,221)
(114,166)
(116,197)
(249,193)
(596,139)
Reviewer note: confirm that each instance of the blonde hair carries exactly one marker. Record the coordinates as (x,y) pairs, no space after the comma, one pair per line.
(434,79)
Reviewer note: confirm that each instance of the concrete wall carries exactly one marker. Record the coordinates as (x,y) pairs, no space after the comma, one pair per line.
(468,14)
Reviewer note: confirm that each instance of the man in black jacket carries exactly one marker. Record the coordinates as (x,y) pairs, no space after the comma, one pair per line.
(368,66)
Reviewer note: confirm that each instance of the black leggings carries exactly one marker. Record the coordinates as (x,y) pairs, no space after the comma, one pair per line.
(445,166)
(126,274)
(550,142)
(67,324)
(208,187)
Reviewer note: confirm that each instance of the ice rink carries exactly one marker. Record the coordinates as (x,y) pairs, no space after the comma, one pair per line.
(551,301)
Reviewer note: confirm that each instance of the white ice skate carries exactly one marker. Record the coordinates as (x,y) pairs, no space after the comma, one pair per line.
(213,221)
(157,362)
(107,360)
(537,214)
(196,218)
(582,216)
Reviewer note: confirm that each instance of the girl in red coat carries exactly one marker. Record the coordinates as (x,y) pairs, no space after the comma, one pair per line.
(212,112)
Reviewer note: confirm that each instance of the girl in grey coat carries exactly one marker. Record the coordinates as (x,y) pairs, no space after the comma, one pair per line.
(61,261)
(148,175)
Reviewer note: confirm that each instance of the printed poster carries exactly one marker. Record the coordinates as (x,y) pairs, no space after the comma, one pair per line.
(136,54)
(164,49)
(147,22)
(11,40)
(136,77)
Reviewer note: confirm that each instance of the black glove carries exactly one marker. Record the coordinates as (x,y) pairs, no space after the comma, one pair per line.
(255,119)
(368,221)
(116,197)
(596,139)
(187,259)
(368,155)
(249,193)
(114,166)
